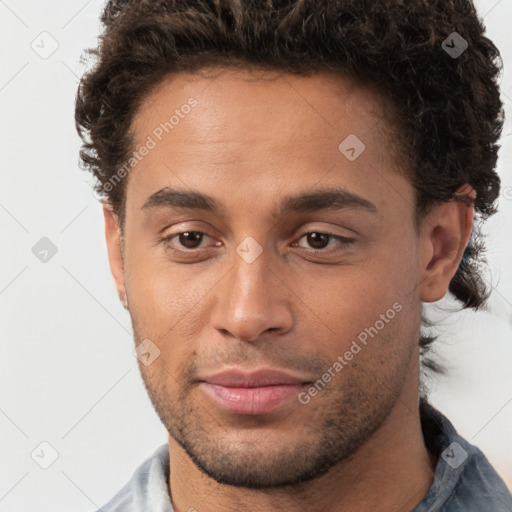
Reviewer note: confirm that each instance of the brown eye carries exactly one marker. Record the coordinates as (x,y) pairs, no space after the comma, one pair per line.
(190,239)
(318,241)
(184,241)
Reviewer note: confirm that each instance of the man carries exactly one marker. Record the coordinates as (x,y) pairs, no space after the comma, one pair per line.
(286,184)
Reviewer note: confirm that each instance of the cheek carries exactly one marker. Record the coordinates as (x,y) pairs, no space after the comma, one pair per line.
(157,288)
(167,305)
(165,314)
(371,301)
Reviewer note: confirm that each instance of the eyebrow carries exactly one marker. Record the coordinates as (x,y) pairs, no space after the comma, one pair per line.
(323,199)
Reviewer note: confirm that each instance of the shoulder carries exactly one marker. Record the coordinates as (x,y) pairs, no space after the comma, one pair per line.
(478,487)
(146,489)
(464,479)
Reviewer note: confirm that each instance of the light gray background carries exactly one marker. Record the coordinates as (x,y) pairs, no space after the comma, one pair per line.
(68,376)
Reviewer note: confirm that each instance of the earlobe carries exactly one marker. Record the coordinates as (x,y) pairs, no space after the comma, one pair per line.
(115,256)
(445,234)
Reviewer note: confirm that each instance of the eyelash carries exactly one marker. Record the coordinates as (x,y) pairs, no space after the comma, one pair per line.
(192,252)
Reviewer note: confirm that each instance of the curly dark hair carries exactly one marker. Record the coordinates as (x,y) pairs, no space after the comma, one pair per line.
(446,109)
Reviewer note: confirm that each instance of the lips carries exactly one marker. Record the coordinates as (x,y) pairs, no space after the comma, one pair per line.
(255,379)
(257,392)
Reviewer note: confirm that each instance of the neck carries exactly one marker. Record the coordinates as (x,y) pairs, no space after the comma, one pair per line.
(391,471)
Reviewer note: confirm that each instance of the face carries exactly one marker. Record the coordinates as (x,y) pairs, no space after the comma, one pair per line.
(307,262)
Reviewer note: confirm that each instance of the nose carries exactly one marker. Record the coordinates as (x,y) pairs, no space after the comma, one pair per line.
(252,299)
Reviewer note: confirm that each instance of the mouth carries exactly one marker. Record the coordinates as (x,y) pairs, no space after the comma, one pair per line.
(257,392)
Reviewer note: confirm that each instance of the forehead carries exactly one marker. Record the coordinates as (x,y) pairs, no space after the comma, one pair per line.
(248,129)
(265,101)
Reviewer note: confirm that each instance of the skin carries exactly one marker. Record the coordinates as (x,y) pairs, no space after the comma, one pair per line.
(253,139)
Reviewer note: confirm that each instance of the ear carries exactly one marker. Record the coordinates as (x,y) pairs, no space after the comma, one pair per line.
(115,257)
(444,235)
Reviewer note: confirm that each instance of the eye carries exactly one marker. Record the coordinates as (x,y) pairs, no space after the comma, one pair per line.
(189,240)
(319,240)
(189,243)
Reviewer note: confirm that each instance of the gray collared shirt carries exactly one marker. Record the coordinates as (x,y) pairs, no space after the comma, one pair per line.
(464,480)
